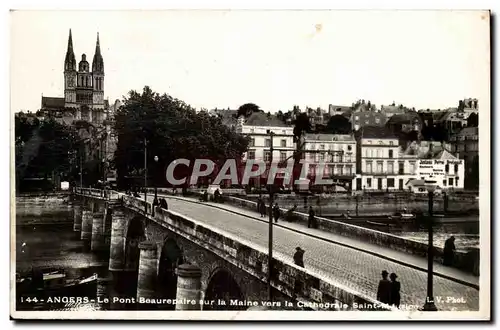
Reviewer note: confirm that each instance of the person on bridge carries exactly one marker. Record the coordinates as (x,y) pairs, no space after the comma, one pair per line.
(395,289)
(262,208)
(217,195)
(449,251)
(276,212)
(311,222)
(163,204)
(384,289)
(291,213)
(298,257)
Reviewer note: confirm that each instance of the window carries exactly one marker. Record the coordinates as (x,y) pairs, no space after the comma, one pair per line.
(268,142)
(283,143)
(252,142)
(282,156)
(349,148)
(321,157)
(412,167)
(252,130)
(390,167)
(251,154)
(450,181)
(348,170)
(379,167)
(339,169)
(284,131)
(302,155)
(267,156)
(444,183)
(447,168)
(368,167)
(322,147)
(331,169)
(456,168)
(369,142)
(347,158)
(312,157)
(391,153)
(401,168)
(401,184)
(456,181)
(390,183)
(369,182)
(391,143)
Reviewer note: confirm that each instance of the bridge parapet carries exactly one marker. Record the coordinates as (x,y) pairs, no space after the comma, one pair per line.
(312,289)
(468,261)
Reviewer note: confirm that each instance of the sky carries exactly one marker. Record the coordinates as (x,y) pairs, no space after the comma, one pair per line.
(275,59)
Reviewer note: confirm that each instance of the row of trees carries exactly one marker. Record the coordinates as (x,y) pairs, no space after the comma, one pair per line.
(43,148)
(172,130)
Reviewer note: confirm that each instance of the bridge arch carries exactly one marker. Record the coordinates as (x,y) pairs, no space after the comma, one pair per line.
(170,258)
(223,286)
(134,235)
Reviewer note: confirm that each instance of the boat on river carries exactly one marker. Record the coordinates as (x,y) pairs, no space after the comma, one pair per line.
(51,283)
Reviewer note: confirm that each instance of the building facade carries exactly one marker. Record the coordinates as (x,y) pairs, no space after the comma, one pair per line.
(378,165)
(258,128)
(331,156)
(83,89)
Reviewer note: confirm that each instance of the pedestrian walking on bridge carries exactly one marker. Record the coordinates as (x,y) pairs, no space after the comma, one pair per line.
(449,251)
(395,290)
(384,289)
(298,257)
(311,222)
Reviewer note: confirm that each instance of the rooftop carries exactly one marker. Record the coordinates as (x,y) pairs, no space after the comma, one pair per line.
(262,119)
(329,137)
(52,102)
(377,132)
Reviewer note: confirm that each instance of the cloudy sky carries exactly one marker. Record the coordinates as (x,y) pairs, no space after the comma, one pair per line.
(272,58)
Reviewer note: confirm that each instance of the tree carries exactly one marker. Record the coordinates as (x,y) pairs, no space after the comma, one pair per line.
(473,120)
(45,148)
(247,109)
(338,124)
(172,130)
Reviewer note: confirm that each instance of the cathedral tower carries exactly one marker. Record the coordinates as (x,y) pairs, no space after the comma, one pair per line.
(70,75)
(98,77)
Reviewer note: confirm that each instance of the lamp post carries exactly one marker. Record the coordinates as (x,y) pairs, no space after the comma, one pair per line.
(155,201)
(270,239)
(104,177)
(145,176)
(429,301)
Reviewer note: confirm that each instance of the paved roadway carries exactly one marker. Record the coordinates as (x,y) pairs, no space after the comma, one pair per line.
(355,269)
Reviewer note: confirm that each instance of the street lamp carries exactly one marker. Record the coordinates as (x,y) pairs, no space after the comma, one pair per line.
(270,239)
(104,177)
(429,301)
(155,201)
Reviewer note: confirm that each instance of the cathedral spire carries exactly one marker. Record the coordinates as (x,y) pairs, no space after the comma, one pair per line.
(97,46)
(70,61)
(70,42)
(98,62)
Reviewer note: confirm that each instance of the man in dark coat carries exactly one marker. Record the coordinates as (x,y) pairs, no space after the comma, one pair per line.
(449,251)
(384,289)
(298,257)
(395,290)
(311,222)
(276,212)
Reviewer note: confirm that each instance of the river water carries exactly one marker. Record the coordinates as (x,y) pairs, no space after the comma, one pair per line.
(46,239)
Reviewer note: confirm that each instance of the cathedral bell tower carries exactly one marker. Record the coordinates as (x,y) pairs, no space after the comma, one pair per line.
(98,77)
(70,75)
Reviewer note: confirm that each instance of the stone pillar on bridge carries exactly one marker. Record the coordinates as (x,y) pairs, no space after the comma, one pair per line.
(77,217)
(97,242)
(148,264)
(117,246)
(87,217)
(188,287)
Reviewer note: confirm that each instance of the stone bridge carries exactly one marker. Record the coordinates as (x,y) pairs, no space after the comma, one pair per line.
(182,263)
